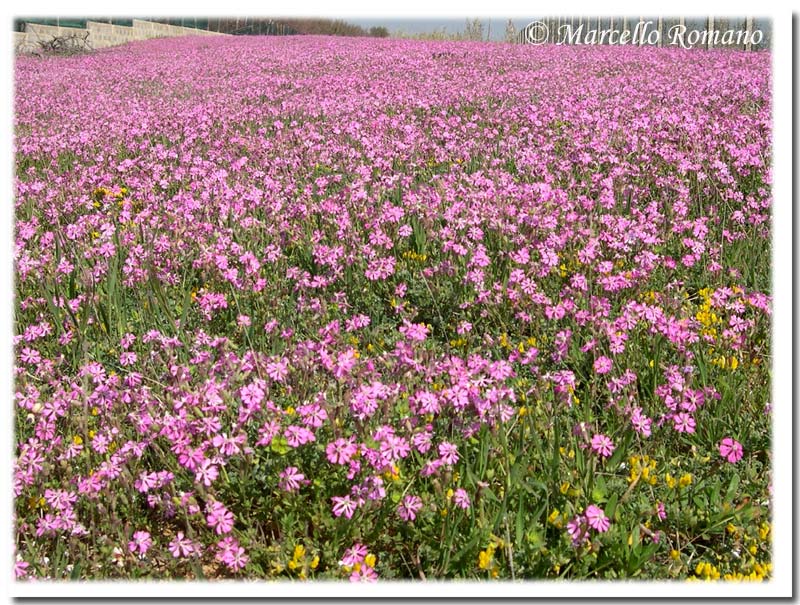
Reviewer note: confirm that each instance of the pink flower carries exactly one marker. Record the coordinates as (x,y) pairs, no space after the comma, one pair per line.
(597,518)
(448,453)
(577,530)
(394,447)
(461,498)
(641,423)
(182,546)
(343,505)
(278,369)
(354,554)
(298,435)
(414,331)
(602,445)
(731,450)
(380,268)
(292,479)
(206,473)
(409,507)
(218,517)
(141,542)
(684,423)
(364,574)
(21,569)
(252,394)
(602,365)
(231,554)
(341,451)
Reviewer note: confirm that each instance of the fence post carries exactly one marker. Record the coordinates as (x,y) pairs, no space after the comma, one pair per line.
(749,33)
(710,32)
(660,30)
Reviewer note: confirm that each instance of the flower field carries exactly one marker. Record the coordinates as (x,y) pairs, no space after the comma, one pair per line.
(319,308)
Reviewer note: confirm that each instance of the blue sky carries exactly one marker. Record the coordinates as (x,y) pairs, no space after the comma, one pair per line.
(416,26)
(498,24)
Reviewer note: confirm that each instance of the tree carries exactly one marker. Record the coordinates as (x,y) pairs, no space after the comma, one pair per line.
(473,30)
(511,32)
(379,32)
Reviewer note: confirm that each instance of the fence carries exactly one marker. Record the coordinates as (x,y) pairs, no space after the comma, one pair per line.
(741,33)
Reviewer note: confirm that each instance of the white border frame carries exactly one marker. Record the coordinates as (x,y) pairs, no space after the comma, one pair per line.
(781,583)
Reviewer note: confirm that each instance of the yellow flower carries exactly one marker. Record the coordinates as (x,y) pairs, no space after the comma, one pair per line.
(370,560)
(299,551)
(77,440)
(686,480)
(314,562)
(485,557)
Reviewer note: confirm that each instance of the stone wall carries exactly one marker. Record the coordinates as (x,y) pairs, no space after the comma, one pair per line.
(162,30)
(102,35)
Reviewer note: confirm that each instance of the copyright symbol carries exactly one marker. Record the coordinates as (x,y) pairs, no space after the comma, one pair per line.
(536,32)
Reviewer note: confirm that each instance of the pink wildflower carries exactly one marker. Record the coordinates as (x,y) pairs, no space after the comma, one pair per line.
(597,519)
(602,445)
(731,450)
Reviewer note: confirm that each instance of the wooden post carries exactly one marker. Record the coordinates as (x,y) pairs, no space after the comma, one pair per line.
(710,32)
(748,45)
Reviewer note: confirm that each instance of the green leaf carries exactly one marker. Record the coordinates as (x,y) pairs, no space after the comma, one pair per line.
(520,528)
(280,445)
(76,572)
(616,457)
(611,506)
(731,491)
